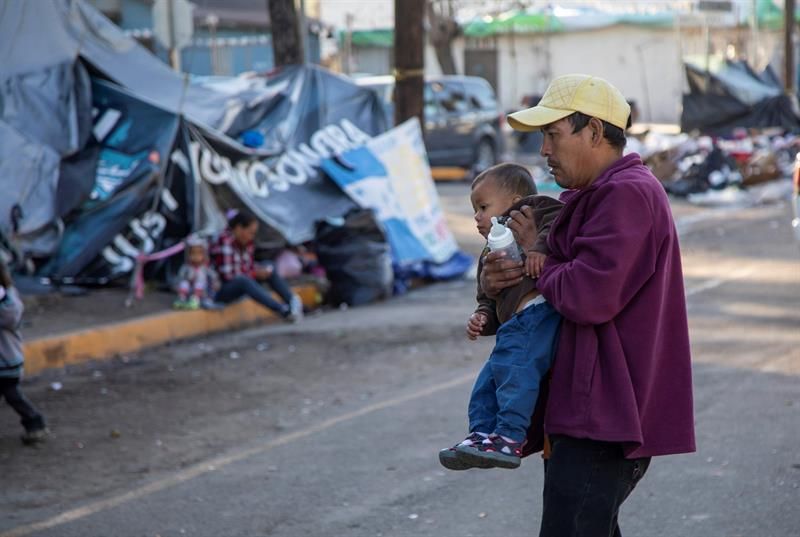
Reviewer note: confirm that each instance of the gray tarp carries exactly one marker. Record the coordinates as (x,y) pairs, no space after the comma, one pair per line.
(38,165)
(45,115)
(45,101)
(37,35)
(38,102)
(88,114)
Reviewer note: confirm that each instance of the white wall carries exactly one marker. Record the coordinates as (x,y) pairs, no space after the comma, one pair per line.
(373,14)
(367,14)
(643,63)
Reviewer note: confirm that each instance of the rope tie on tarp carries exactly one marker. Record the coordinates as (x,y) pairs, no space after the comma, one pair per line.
(143,259)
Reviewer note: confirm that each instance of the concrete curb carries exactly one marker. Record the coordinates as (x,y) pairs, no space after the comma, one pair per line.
(113,339)
(441,173)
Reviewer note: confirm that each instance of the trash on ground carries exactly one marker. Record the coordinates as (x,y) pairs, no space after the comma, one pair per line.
(722,169)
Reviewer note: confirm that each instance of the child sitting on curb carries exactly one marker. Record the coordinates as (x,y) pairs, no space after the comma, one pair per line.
(197,280)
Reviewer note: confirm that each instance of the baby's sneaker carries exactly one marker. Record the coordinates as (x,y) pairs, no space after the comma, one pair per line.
(451,459)
(494,452)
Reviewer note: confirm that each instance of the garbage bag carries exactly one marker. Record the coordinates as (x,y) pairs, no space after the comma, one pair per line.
(455,267)
(356,257)
(717,171)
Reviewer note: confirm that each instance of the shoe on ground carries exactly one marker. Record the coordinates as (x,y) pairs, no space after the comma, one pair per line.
(295,309)
(193,303)
(208,304)
(180,304)
(35,437)
(451,459)
(494,451)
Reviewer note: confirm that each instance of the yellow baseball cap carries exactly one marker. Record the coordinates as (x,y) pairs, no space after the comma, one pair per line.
(567,94)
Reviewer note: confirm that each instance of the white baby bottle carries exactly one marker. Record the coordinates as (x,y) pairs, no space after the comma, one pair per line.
(502,239)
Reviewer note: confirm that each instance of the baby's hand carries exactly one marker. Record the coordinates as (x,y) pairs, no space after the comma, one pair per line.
(475,325)
(534,264)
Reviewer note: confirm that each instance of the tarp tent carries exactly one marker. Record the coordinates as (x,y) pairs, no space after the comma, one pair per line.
(730,95)
(303,115)
(109,155)
(102,138)
(45,39)
(49,53)
(137,202)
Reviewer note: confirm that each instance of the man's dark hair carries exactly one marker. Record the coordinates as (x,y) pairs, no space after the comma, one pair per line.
(510,177)
(240,219)
(612,133)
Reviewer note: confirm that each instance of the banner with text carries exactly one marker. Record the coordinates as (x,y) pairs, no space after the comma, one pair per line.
(390,174)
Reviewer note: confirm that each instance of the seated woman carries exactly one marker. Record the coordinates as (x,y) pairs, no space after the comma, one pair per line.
(232,255)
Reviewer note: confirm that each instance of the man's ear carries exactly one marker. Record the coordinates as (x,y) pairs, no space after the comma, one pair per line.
(515,199)
(596,128)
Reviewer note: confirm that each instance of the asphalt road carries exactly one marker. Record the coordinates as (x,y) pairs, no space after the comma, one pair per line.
(331,427)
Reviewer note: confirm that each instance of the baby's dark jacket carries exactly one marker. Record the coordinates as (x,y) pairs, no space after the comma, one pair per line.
(502,308)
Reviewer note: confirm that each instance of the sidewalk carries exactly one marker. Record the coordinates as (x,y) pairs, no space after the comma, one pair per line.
(62,330)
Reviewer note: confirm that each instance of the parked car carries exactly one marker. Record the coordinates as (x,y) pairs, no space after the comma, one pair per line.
(462,119)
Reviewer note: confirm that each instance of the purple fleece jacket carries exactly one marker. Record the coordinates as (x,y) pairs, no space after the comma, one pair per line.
(622,371)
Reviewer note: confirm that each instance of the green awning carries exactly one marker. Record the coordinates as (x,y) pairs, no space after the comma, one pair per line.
(530,22)
(770,15)
(523,21)
(383,38)
(513,22)
(655,20)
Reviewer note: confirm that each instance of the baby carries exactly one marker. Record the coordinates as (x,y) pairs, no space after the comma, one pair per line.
(505,392)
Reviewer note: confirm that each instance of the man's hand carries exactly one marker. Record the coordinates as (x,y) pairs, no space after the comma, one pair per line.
(263,272)
(522,224)
(499,272)
(475,325)
(534,263)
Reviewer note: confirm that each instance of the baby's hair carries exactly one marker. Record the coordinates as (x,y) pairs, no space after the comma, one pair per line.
(512,178)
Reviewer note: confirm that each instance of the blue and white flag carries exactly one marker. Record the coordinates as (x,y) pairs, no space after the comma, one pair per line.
(390,175)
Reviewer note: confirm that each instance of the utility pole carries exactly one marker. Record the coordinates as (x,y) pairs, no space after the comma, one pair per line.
(211,21)
(754,54)
(409,61)
(286,44)
(174,57)
(789,71)
(347,66)
(173,26)
(303,31)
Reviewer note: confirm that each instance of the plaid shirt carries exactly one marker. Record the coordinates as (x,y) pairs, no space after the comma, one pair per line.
(230,259)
